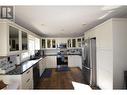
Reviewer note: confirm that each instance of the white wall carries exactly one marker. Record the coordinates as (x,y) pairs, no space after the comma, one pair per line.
(104,53)
(120,52)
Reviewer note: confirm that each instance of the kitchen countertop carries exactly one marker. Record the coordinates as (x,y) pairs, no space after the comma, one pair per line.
(23,67)
(64,54)
(20,69)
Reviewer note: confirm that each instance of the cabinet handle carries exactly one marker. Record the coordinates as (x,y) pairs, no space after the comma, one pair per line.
(27,72)
(28,80)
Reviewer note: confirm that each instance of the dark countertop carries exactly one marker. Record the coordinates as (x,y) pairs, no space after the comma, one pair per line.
(23,67)
(28,64)
(64,54)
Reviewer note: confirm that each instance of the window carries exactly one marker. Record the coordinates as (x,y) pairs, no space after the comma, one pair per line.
(24,56)
(31,45)
(37,44)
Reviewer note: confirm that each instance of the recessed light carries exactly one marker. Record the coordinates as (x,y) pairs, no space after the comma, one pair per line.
(62,29)
(42,24)
(83,24)
(110,7)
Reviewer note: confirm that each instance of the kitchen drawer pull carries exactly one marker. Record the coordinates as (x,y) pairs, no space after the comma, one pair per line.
(27,72)
(28,80)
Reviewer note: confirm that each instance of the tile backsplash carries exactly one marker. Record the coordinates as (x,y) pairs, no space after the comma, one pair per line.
(7,64)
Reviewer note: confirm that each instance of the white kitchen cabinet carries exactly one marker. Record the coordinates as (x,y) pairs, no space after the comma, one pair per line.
(87,35)
(27,79)
(51,62)
(9,44)
(21,81)
(74,61)
(42,65)
(61,40)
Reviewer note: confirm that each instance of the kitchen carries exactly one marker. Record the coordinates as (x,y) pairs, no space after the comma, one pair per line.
(45,51)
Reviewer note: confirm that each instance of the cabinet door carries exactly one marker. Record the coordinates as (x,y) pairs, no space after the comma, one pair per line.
(74,61)
(78,61)
(48,43)
(42,66)
(24,41)
(79,42)
(51,62)
(13,38)
(69,43)
(27,79)
(73,42)
(43,43)
(53,43)
(71,61)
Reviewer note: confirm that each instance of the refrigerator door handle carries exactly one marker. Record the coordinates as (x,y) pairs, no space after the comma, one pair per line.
(87,68)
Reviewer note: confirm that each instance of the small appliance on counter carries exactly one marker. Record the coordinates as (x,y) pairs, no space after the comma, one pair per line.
(38,54)
(17,60)
(74,51)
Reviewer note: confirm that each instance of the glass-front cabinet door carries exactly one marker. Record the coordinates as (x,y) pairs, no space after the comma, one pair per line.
(24,41)
(13,38)
(69,43)
(53,43)
(73,42)
(48,43)
(79,42)
(43,43)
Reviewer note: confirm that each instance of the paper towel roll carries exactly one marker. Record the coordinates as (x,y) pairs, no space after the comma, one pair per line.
(17,60)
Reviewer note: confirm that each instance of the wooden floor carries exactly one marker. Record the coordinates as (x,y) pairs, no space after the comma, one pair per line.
(61,80)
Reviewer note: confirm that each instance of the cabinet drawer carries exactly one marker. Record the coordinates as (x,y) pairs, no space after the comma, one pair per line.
(27,74)
(28,84)
(27,78)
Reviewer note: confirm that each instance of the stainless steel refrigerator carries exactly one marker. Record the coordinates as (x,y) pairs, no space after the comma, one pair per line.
(89,61)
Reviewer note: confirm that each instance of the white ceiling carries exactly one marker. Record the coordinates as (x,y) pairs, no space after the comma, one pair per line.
(62,21)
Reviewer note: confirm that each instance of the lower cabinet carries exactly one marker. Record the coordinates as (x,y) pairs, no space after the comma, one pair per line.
(51,62)
(27,79)
(42,65)
(75,61)
(21,81)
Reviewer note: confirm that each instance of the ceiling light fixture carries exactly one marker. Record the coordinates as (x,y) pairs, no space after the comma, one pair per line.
(106,14)
(83,24)
(110,7)
(62,29)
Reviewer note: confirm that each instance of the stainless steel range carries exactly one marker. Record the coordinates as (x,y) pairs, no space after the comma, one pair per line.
(62,58)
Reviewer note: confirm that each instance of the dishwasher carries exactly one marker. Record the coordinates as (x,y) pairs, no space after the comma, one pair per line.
(36,75)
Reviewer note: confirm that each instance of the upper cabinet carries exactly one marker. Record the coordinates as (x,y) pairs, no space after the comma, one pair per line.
(48,43)
(73,42)
(43,43)
(13,38)
(79,42)
(24,41)
(69,43)
(53,43)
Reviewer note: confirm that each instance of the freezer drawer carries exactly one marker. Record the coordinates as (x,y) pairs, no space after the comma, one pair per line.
(87,74)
